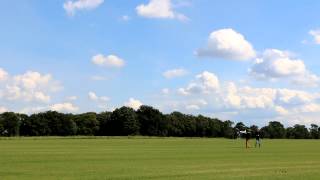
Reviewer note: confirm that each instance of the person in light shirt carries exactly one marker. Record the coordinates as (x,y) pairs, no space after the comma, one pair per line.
(258,139)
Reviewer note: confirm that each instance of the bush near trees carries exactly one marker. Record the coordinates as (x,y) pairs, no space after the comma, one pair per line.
(146,121)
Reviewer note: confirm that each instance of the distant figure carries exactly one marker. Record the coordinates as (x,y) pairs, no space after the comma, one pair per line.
(258,140)
(247,138)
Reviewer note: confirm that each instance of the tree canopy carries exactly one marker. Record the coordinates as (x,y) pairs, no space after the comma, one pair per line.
(146,121)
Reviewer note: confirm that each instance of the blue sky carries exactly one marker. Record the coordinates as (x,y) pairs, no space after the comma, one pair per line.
(250,61)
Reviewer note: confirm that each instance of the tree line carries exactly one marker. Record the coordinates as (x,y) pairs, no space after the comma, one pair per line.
(146,121)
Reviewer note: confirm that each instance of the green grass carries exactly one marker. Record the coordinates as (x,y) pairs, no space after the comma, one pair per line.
(156,158)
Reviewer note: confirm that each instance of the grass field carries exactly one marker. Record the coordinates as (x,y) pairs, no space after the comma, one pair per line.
(156,158)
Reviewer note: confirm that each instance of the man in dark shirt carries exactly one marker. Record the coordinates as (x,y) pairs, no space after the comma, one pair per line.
(258,141)
(247,138)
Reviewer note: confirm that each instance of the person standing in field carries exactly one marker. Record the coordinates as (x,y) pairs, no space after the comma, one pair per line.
(247,139)
(258,140)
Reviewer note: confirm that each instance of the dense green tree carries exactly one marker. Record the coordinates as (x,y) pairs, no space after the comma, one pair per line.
(152,121)
(66,126)
(35,125)
(289,133)
(48,123)
(123,122)
(60,124)
(10,124)
(145,121)
(215,128)
(202,124)
(190,126)
(275,130)
(314,131)
(176,126)
(264,132)
(87,123)
(228,131)
(300,132)
(104,128)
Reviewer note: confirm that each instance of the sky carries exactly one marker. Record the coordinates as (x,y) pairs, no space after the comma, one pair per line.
(253,61)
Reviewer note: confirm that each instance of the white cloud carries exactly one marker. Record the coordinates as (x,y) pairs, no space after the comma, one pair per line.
(100,100)
(64,107)
(275,64)
(247,97)
(3,75)
(195,104)
(30,86)
(174,73)
(227,44)
(205,82)
(316,35)
(209,80)
(255,104)
(3,109)
(40,96)
(108,61)
(92,96)
(272,98)
(312,107)
(307,79)
(72,6)
(281,110)
(159,9)
(133,103)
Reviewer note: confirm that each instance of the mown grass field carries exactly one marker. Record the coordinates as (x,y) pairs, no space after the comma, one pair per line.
(156,158)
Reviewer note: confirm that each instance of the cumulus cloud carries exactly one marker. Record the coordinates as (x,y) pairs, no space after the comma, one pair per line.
(159,9)
(133,103)
(30,86)
(294,97)
(92,96)
(245,102)
(312,107)
(275,64)
(281,110)
(64,107)
(316,35)
(205,82)
(100,100)
(174,73)
(72,6)
(265,98)
(227,44)
(194,105)
(3,75)
(108,61)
